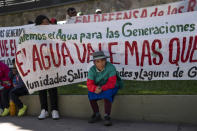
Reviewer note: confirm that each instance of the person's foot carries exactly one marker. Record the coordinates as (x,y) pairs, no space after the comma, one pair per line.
(22,111)
(55,114)
(107,120)
(95,118)
(44,114)
(6,112)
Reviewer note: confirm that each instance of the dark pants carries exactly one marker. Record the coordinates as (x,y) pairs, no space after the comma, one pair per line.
(52,96)
(95,107)
(5,97)
(1,106)
(14,96)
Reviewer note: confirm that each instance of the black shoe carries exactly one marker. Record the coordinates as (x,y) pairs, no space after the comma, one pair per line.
(107,121)
(94,118)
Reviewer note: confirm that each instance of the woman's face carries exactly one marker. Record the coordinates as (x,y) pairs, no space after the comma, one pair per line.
(100,64)
(45,22)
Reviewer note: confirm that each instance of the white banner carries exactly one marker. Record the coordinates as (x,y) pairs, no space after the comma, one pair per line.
(159,10)
(162,48)
(8,42)
(9,35)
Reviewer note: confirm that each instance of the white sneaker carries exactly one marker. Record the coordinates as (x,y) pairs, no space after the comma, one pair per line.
(1,111)
(55,114)
(44,114)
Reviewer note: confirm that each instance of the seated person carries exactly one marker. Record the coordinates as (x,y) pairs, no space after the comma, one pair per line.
(18,90)
(5,85)
(103,83)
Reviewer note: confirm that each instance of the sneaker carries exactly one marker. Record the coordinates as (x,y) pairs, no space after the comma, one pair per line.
(107,121)
(94,118)
(1,111)
(22,111)
(55,114)
(5,112)
(44,114)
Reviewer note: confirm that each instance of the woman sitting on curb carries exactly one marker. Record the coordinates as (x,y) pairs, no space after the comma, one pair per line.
(103,83)
(18,89)
(5,85)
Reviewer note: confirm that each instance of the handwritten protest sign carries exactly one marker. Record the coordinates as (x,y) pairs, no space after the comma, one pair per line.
(162,48)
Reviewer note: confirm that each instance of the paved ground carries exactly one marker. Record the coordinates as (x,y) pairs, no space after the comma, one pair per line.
(29,123)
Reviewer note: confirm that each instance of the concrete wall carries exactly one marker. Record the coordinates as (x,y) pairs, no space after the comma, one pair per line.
(88,7)
(154,108)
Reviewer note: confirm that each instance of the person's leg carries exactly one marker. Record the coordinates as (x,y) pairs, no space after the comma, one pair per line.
(53,98)
(5,101)
(43,99)
(108,106)
(15,94)
(96,116)
(5,98)
(44,105)
(1,107)
(94,106)
(54,103)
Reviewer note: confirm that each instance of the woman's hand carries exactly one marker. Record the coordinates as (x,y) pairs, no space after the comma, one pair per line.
(98,90)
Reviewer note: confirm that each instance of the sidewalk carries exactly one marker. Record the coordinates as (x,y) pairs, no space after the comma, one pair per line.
(30,123)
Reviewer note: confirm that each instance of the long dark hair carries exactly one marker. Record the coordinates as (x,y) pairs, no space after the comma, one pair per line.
(40,18)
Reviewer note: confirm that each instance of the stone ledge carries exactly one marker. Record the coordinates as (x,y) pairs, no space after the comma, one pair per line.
(153,108)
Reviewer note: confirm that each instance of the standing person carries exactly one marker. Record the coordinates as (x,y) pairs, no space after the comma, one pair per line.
(71,12)
(5,84)
(43,20)
(18,90)
(103,83)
